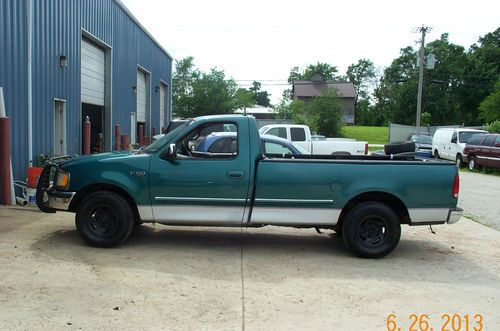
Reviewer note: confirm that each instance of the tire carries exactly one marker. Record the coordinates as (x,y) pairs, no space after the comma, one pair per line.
(104,219)
(397,148)
(472,163)
(436,154)
(458,161)
(371,230)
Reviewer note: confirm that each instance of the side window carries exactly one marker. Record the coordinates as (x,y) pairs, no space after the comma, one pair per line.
(298,134)
(274,148)
(213,140)
(488,141)
(497,141)
(278,132)
(454,137)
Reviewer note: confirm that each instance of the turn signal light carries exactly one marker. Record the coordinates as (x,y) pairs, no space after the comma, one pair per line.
(62,180)
(456,187)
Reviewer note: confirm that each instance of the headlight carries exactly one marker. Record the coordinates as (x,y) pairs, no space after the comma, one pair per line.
(62,181)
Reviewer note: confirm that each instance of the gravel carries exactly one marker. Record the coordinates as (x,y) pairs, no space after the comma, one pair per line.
(480,198)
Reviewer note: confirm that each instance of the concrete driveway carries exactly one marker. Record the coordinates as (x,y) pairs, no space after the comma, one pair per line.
(257,279)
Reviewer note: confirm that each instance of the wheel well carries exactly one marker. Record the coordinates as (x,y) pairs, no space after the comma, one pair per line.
(80,196)
(388,199)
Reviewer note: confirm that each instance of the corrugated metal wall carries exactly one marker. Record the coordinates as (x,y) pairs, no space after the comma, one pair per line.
(57,30)
(13,76)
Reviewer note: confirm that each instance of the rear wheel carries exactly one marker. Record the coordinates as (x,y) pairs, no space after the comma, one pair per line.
(371,230)
(472,163)
(104,219)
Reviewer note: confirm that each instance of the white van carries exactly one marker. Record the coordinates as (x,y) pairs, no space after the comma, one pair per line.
(449,143)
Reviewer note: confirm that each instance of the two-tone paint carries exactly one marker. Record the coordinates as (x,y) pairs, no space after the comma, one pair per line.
(252,190)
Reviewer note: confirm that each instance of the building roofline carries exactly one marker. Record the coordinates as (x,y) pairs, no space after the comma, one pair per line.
(136,21)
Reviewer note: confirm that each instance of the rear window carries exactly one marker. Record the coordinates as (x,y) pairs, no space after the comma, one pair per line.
(488,141)
(476,139)
(298,134)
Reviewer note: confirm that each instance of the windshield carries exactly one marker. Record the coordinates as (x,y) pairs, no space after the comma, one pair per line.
(422,139)
(464,137)
(157,145)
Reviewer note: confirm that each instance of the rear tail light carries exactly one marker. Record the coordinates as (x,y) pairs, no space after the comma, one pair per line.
(456,187)
(366,149)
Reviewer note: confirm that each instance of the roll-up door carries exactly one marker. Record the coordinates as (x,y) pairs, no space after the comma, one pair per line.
(142,100)
(92,73)
(163,99)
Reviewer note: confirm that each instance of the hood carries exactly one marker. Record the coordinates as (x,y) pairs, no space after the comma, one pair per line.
(100,157)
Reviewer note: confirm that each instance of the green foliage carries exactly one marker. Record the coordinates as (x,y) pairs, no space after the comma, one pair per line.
(489,108)
(493,127)
(244,98)
(425,118)
(324,113)
(362,75)
(197,93)
(260,97)
(372,134)
(328,71)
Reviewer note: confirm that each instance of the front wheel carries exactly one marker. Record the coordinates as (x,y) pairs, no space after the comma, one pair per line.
(104,219)
(459,162)
(371,230)
(436,154)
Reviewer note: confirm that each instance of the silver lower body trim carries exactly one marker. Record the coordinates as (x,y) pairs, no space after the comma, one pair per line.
(192,214)
(60,201)
(295,216)
(428,215)
(455,215)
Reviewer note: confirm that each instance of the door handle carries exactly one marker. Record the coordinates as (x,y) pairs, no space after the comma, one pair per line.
(235,174)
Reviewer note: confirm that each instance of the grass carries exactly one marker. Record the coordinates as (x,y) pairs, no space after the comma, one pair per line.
(481,170)
(371,134)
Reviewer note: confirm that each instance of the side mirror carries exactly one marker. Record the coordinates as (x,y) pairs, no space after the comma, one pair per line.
(170,153)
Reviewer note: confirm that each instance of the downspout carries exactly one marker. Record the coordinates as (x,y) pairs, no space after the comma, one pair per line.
(30,84)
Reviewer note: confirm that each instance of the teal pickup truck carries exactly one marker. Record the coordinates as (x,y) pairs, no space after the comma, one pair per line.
(364,198)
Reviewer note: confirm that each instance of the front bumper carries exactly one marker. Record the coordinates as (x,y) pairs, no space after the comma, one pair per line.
(48,199)
(454,215)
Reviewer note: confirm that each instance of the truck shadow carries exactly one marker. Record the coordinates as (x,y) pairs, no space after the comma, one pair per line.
(272,254)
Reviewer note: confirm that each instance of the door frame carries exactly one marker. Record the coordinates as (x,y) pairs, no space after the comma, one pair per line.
(65,133)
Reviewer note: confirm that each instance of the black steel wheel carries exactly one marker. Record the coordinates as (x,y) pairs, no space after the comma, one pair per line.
(371,230)
(104,219)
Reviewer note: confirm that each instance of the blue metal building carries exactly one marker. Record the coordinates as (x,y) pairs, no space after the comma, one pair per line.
(62,61)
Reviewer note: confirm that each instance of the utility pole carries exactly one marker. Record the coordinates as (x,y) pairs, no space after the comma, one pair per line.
(423,30)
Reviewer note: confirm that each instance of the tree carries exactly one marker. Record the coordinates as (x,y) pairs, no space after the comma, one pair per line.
(363,76)
(489,108)
(328,71)
(261,98)
(197,93)
(326,113)
(244,98)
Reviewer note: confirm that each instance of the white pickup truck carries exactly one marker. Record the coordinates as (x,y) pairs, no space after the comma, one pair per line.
(301,135)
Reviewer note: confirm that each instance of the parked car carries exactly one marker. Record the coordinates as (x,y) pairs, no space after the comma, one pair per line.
(316,144)
(225,142)
(365,198)
(422,141)
(483,150)
(449,143)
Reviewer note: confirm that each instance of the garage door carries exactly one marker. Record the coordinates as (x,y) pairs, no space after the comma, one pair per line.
(163,98)
(142,100)
(93,69)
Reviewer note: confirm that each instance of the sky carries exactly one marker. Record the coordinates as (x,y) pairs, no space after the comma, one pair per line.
(263,39)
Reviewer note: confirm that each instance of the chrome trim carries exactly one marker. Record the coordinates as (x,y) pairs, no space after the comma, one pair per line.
(198,199)
(295,216)
(179,214)
(454,215)
(60,201)
(294,200)
(426,215)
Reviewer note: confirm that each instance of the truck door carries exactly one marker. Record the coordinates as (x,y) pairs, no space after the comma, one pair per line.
(207,181)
